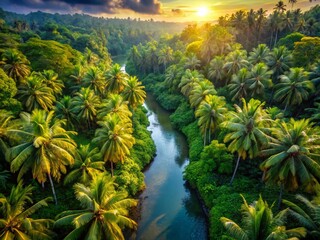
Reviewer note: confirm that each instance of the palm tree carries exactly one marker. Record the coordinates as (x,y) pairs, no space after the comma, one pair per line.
(200,91)
(15,220)
(192,62)
(239,84)
(172,77)
(211,112)
(248,130)
(188,81)
(294,88)
(279,61)
(259,54)
(77,76)
(134,56)
(86,167)
(94,80)
(35,94)
(292,2)
(165,56)
(216,71)
(115,138)
(261,18)
(276,24)
(46,150)
(235,61)
(280,7)
(114,105)
(63,111)
(307,215)
(115,79)
(104,214)
(84,105)
(15,64)
(134,92)
(260,79)
(50,79)
(293,158)
(258,223)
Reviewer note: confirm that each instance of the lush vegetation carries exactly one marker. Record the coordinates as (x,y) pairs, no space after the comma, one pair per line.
(244,91)
(72,126)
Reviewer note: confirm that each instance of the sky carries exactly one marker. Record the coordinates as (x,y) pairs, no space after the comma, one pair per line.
(159,10)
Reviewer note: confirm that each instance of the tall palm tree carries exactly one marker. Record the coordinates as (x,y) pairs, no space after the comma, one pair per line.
(260,79)
(134,56)
(259,54)
(114,105)
(172,77)
(306,214)
(115,79)
(259,223)
(15,220)
(280,6)
(293,2)
(46,150)
(261,19)
(276,24)
(51,80)
(35,94)
(63,111)
(77,76)
(235,61)
(94,80)
(279,61)
(293,158)
(239,84)
(200,91)
(165,56)
(294,88)
(188,81)
(247,130)
(84,106)
(104,214)
(211,112)
(15,64)
(115,138)
(192,62)
(86,167)
(134,92)
(216,71)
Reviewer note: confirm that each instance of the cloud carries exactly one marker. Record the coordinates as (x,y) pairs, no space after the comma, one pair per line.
(177,11)
(85,6)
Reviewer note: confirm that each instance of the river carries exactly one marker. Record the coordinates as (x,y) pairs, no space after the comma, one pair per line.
(169,209)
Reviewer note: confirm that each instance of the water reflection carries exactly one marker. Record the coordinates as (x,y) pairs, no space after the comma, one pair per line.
(169,210)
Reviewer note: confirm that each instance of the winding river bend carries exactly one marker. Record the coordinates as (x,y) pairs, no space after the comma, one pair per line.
(169,210)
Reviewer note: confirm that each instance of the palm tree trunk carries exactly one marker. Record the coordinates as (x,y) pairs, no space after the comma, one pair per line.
(235,169)
(111,166)
(280,195)
(204,137)
(285,108)
(52,188)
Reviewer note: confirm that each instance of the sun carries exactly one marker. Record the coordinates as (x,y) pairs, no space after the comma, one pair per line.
(202,11)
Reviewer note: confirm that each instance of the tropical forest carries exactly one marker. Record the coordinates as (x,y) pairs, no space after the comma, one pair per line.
(166,119)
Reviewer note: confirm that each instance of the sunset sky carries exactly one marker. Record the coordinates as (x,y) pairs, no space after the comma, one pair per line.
(167,10)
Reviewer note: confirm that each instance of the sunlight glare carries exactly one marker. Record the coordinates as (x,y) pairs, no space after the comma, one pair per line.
(202,11)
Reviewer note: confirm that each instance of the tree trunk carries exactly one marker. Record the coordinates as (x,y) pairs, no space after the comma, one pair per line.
(111,166)
(204,137)
(285,108)
(53,191)
(235,169)
(280,196)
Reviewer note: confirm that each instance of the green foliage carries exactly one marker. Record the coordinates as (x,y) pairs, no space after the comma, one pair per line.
(306,51)
(182,116)
(290,40)
(45,54)
(195,141)
(130,177)
(8,90)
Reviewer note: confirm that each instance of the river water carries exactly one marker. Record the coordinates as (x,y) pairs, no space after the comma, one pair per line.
(169,210)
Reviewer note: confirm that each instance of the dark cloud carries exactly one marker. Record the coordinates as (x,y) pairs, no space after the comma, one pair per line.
(177,11)
(85,6)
